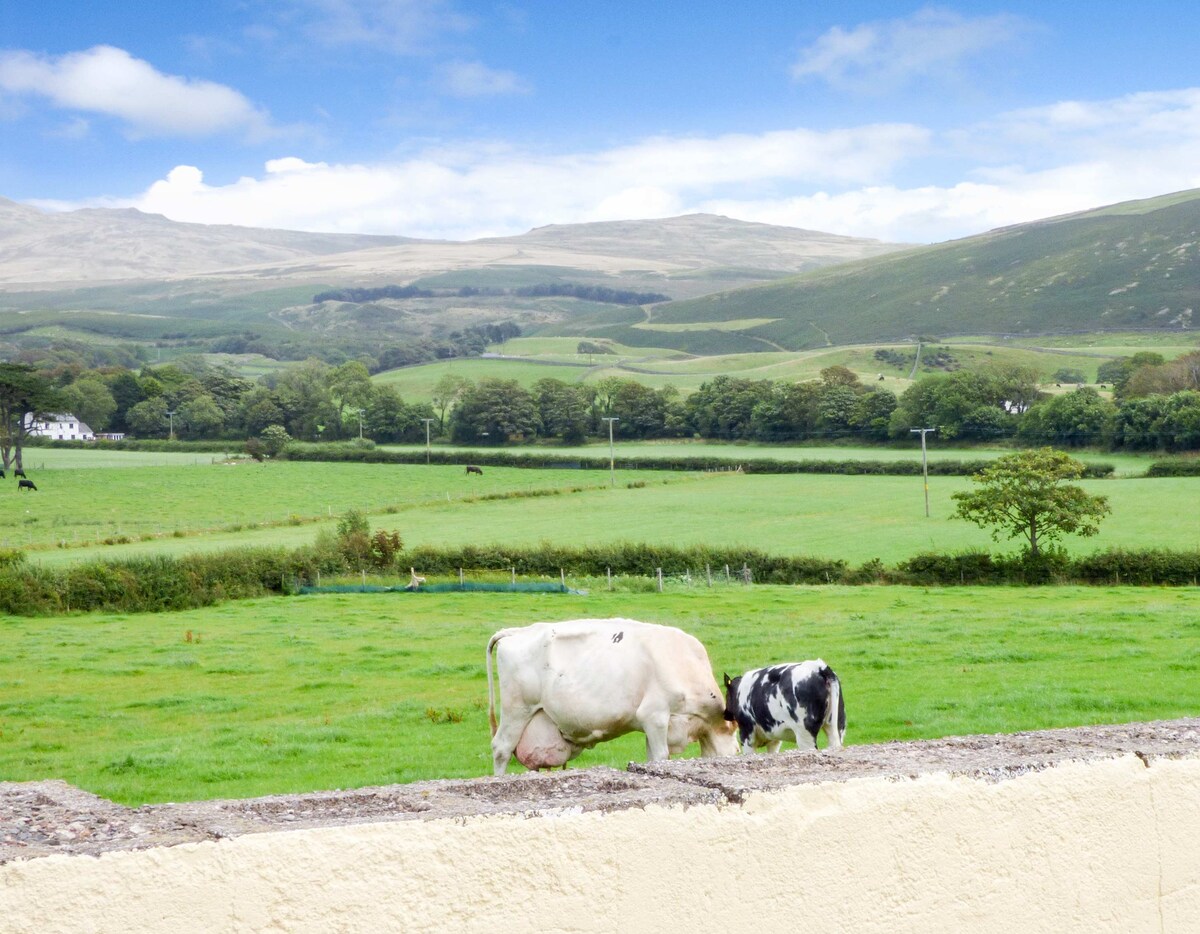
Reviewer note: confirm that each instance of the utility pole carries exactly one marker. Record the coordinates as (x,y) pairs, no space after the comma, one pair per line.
(427,421)
(360,415)
(924,463)
(171,423)
(612,471)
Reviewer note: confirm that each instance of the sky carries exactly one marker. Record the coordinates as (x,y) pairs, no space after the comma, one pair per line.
(458,119)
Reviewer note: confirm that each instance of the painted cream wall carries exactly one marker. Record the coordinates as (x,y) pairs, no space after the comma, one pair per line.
(1109,845)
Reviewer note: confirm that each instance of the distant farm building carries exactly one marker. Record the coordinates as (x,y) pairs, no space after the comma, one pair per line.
(64,427)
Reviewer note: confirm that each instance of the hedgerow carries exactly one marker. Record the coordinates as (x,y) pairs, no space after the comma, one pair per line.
(161,582)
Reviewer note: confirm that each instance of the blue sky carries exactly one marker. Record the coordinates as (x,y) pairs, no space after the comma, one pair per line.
(462,118)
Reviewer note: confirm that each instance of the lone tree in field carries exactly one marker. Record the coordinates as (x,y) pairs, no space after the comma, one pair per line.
(1026,494)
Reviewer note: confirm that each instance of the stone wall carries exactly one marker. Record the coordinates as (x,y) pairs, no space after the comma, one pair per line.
(1095,829)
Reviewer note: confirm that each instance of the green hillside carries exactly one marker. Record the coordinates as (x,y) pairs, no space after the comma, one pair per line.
(1132,266)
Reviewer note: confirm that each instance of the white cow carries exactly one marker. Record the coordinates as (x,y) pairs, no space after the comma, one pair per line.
(564,687)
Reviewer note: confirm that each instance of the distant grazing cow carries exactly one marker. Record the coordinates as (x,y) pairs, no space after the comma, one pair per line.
(18,472)
(471,468)
(1,473)
(25,485)
(799,698)
(564,687)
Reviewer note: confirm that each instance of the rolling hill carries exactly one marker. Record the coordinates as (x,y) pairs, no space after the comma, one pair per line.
(115,277)
(1130,266)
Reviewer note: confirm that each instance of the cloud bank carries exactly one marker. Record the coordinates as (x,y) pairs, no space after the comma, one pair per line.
(1020,166)
(109,81)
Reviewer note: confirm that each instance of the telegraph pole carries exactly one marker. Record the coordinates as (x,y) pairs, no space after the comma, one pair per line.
(427,421)
(612,470)
(171,422)
(924,463)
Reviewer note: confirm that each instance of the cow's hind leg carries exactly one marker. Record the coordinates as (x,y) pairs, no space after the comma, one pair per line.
(508,734)
(773,745)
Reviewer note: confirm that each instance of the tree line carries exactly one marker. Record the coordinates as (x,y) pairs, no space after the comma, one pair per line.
(590,293)
(1155,406)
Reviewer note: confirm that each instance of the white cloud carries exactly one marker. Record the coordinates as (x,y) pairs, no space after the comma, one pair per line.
(402,26)
(474,79)
(886,54)
(110,81)
(482,191)
(1021,166)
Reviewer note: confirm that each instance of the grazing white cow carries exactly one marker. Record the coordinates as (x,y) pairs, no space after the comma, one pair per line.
(564,687)
(797,699)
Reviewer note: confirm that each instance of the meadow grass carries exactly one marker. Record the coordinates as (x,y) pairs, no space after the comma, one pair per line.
(855,518)
(660,367)
(341,691)
(90,505)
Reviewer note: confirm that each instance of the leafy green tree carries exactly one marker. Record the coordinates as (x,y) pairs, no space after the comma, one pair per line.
(257,409)
(1068,374)
(494,411)
(91,401)
(1072,419)
(1027,495)
(126,392)
(200,417)
(446,391)
(563,409)
(723,407)
(350,388)
(23,392)
(872,412)
(148,419)
(274,439)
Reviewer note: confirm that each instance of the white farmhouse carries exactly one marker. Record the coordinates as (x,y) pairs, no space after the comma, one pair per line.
(64,427)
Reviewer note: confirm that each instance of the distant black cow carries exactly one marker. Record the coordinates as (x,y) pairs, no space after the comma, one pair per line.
(799,699)
(18,472)
(471,468)
(25,485)
(1,473)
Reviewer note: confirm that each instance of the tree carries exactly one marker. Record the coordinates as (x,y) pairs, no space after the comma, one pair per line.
(148,418)
(23,391)
(274,439)
(200,417)
(89,400)
(1071,419)
(1026,494)
(446,391)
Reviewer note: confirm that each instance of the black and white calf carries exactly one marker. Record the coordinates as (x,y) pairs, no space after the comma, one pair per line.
(797,699)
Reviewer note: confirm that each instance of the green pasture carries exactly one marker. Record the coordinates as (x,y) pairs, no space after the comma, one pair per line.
(342,691)
(1124,464)
(555,358)
(84,457)
(416,383)
(856,518)
(74,505)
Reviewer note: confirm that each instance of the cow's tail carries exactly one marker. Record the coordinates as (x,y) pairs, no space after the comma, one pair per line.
(491,691)
(835,713)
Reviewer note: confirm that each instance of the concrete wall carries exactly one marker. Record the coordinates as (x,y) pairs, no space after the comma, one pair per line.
(1108,844)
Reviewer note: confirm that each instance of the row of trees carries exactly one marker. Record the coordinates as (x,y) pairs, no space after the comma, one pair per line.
(317,401)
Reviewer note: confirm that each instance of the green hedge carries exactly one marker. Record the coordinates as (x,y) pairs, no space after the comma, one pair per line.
(530,459)
(1175,468)
(156,583)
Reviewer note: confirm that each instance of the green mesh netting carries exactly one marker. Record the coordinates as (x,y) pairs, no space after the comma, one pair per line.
(441,588)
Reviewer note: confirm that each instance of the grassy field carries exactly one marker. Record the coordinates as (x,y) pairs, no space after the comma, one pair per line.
(533,358)
(341,691)
(75,505)
(854,518)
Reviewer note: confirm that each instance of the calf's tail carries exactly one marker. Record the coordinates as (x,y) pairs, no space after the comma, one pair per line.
(835,713)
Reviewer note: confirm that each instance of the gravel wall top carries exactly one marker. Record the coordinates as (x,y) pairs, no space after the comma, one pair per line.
(43,818)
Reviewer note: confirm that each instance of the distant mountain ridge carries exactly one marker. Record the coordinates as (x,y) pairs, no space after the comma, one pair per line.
(95,245)
(1134,265)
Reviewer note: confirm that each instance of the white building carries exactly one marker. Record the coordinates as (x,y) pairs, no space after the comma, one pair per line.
(64,427)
